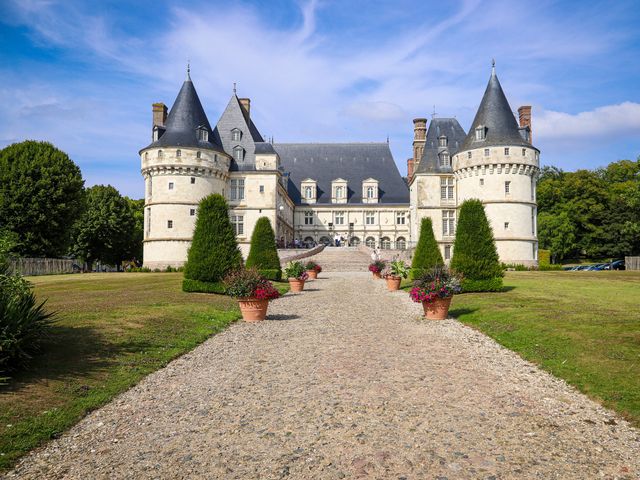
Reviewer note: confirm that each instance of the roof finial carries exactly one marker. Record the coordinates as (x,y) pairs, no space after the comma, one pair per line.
(387,139)
(189,69)
(433,114)
(234,88)
(493,66)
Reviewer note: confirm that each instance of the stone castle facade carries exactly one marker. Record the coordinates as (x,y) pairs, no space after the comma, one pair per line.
(314,191)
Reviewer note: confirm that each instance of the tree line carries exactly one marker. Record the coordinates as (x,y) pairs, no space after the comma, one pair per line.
(46,208)
(590,213)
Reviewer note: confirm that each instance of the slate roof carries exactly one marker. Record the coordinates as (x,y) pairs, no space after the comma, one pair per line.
(430,161)
(235,116)
(185,116)
(354,162)
(496,115)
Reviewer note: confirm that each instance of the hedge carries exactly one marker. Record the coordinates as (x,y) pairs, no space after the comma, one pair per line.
(263,253)
(427,254)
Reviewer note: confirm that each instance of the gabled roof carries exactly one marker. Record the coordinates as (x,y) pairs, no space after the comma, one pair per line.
(354,162)
(235,117)
(185,117)
(496,116)
(450,128)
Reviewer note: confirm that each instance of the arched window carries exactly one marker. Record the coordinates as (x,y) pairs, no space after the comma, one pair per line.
(401,243)
(308,241)
(370,192)
(325,240)
(238,153)
(178,153)
(236,135)
(370,242)
(308,192)
(354,242)
(198,154)
(385,243)
(160,154)
(339,193)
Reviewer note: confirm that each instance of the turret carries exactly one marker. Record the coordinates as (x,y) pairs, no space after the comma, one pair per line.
(498,165)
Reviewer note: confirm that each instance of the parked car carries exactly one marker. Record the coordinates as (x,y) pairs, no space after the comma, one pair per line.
(617,265)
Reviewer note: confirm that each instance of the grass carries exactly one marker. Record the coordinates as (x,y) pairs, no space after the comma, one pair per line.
(583,327)
(112,330)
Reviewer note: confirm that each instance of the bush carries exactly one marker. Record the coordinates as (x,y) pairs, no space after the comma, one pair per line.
(486,285)
(427,254)
(189,285)
(263,253)
(474,251)
(271,274)
(544,257)
(549,267)
(214,251)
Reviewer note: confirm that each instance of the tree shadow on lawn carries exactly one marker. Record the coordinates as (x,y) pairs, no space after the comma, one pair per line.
(70,353)
(459,312)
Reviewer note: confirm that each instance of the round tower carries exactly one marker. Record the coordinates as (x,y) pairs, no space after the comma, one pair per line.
(182,165)
(498,165)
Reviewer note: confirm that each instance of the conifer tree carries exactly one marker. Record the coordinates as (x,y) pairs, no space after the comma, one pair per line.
(263,253)
(474,252)
(214,251)
(427,254)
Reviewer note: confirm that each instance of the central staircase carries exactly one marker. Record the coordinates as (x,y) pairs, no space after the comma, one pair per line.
(342,259)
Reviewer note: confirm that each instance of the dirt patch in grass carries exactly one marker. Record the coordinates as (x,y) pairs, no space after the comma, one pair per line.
(112,330)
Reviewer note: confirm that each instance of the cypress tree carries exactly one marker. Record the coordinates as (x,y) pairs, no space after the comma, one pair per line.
(474,251)
(263,253)
(427,254)
(214,251)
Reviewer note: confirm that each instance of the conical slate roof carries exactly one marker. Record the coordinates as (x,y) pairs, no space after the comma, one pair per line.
(455,135)
(496,116)
(185,117)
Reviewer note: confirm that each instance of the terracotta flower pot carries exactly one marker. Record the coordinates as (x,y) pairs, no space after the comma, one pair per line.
(296,284)
(253,310)
(377,275)
(393,283)
(438,309)
(312,274)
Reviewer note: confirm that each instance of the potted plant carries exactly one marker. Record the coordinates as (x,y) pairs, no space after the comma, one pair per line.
(296,273)
(253,292)
(396,271)
(376,268)
(434,289)
(313,269)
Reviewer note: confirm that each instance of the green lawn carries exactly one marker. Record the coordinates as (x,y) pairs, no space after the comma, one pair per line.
(112,330)
(583,327)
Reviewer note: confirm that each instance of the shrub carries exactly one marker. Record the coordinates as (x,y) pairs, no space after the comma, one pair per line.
(549,267)
(271,274)
(248,283)
(263,253)
(474,250)
(295,270)
(544,257)
(427,254)
(214,251)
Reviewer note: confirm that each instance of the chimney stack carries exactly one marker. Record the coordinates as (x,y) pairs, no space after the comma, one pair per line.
(159,114)
(409,169)
(246,104)
(524,117)
(419,139)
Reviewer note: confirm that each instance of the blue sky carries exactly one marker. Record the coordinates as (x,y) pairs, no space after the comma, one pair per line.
(84,74)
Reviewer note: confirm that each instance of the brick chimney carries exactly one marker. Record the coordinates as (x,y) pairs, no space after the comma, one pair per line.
(246,105)
(409,169)
(159,114)
(419,139)
(524,116)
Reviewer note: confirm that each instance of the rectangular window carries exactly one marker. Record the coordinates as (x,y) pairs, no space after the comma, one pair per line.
(400,218)
(507,187)
(447,252)
(170,185)
(506,225)
(148,222)
(237,189)
(506,150)
(533,221)
(308,218)
(193,180)
(524,152)
(169,223)
(448,222)
(261,188)
(533,189)
(482,181)
(486,152)
(238,224)
(192,212)
(369,218)
(468,154)
(339,218)
(446,188)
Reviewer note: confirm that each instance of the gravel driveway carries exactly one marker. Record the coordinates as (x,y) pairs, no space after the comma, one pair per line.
(345,381)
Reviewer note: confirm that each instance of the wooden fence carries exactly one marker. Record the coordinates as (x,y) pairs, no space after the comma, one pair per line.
(41,266)
(632,263)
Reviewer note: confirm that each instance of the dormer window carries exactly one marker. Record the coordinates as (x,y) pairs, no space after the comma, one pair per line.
(370,193)
(236,135)
(445,161)
(308,190)
(370,190)
(442,141)
(480,133)
(178,153)
(339,191)
(203,134)
(238,154)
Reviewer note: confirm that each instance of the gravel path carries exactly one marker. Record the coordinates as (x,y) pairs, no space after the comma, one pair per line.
(345,381)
